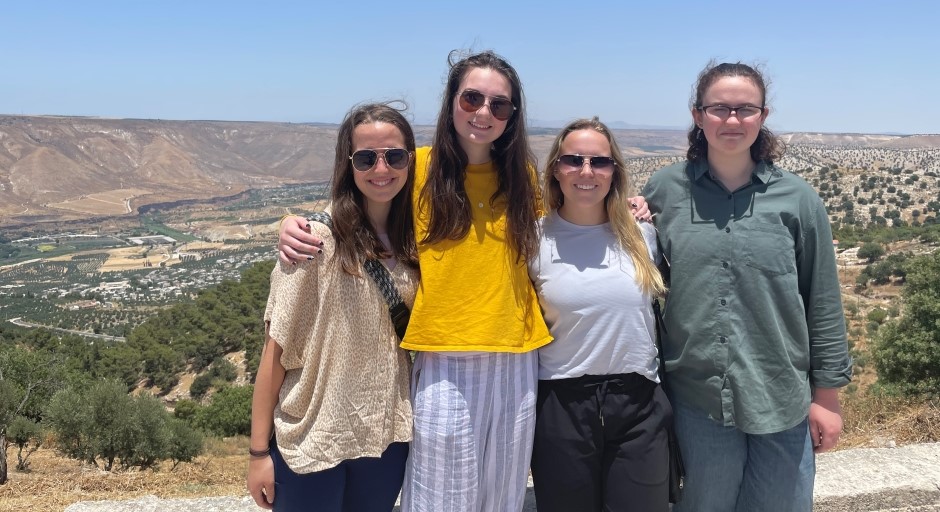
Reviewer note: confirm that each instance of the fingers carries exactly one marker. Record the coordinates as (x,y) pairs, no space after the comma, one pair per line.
(824,432)
(269,494)
(261,482)
(824,439)
(259,492)
(825,419)
(264,499)
(289,256)
(814,436)
(296,243)
(642,212)
(261,500)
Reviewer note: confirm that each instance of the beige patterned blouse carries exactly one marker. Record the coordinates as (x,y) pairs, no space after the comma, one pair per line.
(346,391)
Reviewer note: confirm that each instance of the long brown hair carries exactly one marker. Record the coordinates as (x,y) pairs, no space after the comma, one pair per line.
(621,219)
(444,197)
(767,147)
(356,240)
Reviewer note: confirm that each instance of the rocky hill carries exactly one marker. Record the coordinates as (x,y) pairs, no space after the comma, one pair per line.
(55,169)
(62,168)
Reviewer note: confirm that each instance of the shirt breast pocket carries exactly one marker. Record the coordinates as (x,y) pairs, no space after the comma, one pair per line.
(770,249)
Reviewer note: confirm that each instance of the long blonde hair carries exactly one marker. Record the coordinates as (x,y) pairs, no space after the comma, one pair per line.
(622,223)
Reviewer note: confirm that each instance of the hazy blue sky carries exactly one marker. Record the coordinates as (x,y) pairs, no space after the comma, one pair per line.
(860,66)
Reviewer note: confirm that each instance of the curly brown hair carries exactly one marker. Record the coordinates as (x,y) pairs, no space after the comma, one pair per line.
(767,147)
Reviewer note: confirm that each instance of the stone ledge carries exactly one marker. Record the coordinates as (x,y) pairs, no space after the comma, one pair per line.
(857,480)
(879,479)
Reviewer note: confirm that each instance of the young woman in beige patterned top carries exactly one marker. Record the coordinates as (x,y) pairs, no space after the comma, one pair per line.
(331,413)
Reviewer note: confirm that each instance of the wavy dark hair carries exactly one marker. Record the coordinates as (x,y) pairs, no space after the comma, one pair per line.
(767,147)
(622,222)
(356,240)
(444,197)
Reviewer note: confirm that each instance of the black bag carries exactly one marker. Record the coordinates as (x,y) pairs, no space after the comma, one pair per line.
(397,310)
(676,466)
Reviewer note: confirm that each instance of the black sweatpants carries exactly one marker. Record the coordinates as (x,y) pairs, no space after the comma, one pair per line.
(601,445)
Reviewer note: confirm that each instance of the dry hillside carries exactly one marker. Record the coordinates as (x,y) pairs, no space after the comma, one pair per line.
(61,168)
(55,169)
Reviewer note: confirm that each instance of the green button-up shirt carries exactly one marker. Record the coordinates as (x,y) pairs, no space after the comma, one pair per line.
(754,316)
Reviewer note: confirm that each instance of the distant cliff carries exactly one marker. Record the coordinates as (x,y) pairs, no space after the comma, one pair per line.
(62,168)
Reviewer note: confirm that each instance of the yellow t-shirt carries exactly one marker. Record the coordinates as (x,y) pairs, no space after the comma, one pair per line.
(474,295)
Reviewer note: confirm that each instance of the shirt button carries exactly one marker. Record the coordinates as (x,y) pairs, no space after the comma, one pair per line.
(724,264)
(480,205)
(727,230)
(723,339)
(730,196)
(723,302)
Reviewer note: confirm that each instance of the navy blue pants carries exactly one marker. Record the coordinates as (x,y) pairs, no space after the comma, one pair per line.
(366,484)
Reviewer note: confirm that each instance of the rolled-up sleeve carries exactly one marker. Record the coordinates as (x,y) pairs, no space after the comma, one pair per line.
(830,363)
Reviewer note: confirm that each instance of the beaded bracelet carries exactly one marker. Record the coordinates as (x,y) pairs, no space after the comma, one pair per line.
(259,453)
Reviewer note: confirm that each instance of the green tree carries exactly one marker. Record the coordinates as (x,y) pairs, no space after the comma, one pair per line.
(69,424)
(871,251)
(852,309)
(185,442)
(95,423)
(907,350)
(223,369)
(27,379)
(200,386)
(877,315)
(148,441)
(101,422)
(228,413)
(26,435)
(111,425)
(186,410)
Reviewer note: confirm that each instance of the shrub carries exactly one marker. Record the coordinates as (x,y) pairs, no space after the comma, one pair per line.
(907,350)
(186,410)
(877,315)
(185,442)
(25,434)
(223,369)
(871,251)
(102,422)
(228,413)
(200,386)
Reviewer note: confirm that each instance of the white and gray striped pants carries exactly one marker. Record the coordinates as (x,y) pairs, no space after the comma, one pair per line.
(474,419)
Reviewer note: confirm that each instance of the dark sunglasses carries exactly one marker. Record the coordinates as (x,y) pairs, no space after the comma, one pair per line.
(471,101)
(365,159)
(576,162)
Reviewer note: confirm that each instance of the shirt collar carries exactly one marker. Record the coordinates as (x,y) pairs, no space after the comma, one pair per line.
(763,172)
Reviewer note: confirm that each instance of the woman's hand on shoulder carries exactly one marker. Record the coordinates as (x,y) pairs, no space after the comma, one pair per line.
(261,481)
(640,209)
(295,242)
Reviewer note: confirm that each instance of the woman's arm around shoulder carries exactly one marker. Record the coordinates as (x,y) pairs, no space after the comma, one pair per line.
(295,242)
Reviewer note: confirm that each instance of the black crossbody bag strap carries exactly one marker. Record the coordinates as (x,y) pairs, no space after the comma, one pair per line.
(397,310)
(660,332)
(676,464)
